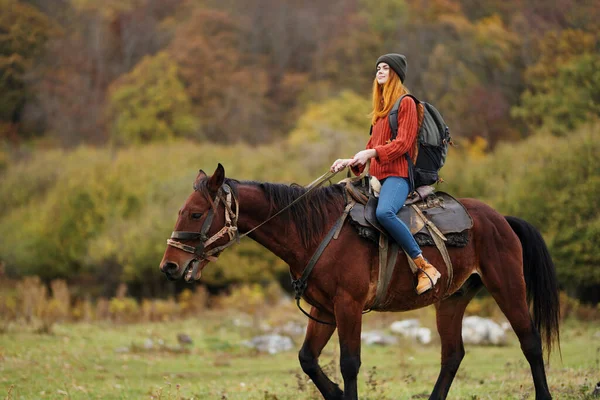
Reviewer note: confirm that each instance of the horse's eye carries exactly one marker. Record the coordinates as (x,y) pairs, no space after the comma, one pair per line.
(196,215)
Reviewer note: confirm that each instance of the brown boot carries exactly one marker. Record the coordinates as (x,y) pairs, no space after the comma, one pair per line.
(427,274)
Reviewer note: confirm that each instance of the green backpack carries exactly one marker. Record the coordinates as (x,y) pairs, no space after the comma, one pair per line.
(433,137)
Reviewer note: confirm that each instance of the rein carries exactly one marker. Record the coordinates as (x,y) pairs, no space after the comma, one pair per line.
(230,228)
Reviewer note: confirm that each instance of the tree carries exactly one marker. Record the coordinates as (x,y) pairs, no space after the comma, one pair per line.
(150,103)
(335,128)
(226,87)
(23,32)
(99,42)
(564,85)
(470,77)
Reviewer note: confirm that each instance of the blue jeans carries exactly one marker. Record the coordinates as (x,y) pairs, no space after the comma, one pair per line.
(392,196)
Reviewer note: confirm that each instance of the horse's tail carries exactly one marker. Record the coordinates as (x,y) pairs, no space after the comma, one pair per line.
(540,280)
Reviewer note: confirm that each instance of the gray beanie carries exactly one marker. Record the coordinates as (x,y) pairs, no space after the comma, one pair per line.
(397,62)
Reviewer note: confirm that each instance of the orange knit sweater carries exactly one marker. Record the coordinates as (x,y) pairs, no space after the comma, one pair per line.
(390,160)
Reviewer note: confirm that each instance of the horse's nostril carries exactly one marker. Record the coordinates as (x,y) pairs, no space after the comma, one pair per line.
(169,267)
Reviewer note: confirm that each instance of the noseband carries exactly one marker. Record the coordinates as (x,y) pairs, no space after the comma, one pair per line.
(224,194)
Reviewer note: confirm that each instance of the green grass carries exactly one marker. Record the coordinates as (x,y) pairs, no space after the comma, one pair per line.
(78,361)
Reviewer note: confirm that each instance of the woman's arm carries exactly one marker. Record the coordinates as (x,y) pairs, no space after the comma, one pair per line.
(358,167)
(407,132)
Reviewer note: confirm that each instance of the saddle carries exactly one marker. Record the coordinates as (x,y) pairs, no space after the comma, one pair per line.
(434,219)
(443,211)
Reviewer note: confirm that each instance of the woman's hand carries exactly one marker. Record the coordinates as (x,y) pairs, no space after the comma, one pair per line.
(340,164)
(362,157)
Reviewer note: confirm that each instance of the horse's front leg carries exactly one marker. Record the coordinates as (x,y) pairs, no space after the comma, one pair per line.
(348,316)
(317,336)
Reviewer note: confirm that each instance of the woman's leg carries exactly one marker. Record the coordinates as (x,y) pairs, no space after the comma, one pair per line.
(391,199)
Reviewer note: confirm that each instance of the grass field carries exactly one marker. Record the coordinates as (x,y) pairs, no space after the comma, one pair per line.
(82,361)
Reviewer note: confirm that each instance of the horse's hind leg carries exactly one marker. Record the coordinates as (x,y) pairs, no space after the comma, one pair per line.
(502,275)
(317,336)
(449,315)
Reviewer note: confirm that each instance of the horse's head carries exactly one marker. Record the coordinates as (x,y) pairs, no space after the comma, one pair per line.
(207,223)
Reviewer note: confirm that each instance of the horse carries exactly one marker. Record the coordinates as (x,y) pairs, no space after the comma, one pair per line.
(507,255)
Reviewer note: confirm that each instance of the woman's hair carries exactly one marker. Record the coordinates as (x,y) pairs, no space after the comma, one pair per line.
(384,96)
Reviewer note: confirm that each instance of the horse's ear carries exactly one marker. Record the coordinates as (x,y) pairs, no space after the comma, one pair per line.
(201,175)
(217,179)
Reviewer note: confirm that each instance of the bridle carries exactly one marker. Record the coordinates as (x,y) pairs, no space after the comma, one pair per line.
(225,195)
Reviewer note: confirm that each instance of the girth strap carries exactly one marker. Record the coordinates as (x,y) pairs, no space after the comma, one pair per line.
(299,285)
(386,270)
(439,243)
(340,225)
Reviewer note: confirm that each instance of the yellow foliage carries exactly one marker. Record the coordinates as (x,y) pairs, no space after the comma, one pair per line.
(192,302)
(484,307)
(246,298)
(33,297)
(335,128)
(476,149)
(150,103)
(107,8)
(123,309)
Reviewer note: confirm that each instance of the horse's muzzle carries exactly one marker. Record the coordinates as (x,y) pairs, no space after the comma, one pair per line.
(171,270)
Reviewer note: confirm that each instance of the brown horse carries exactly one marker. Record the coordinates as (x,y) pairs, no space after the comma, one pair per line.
(506,255)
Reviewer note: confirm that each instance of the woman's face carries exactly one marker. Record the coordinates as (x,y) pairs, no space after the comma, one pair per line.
(383,73)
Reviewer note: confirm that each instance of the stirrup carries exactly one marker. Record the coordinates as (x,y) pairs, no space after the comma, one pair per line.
(428,277)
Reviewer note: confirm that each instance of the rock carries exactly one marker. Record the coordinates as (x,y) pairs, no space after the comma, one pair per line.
(122,350)
(377,338)
(477,330)
(291,328)
(411,328)
(148,344)
(401,326)
(271,344)
(265,327)
(243,321)
(184,339)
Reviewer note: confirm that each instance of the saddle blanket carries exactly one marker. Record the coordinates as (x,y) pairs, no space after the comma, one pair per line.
(448,215)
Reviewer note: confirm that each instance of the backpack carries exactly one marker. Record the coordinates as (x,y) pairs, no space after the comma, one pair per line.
(433,138)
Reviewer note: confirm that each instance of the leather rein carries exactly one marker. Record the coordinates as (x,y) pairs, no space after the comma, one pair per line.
(232,212)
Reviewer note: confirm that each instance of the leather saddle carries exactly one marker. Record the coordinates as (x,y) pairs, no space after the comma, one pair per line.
(445,212)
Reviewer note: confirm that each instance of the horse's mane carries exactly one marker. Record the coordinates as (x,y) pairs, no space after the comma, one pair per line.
(310,214)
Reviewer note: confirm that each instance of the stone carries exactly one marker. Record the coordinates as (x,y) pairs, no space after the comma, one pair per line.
(412,329)
(271,343)
(184,339)
(291,328)
(370,338)
(122,350)
(483,331)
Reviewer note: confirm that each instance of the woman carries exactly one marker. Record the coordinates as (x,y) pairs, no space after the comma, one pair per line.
(388,163)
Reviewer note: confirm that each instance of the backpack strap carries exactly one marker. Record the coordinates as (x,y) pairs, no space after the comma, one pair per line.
(393,120)
(411,173)
(393,115)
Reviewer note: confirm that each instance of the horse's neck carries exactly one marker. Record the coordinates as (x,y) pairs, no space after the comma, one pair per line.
(277,235)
